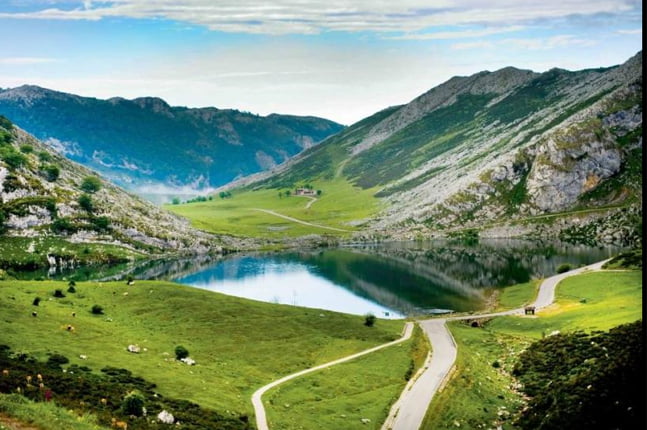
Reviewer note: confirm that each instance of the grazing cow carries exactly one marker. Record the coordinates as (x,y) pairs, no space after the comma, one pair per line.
(70,328)
(529,310)
(119,424)
(73,314)
(34,314)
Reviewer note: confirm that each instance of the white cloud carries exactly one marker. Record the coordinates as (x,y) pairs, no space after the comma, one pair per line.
(22,61)
(315,16)
(464,34)
(558,41)
(472,45)
(638,31)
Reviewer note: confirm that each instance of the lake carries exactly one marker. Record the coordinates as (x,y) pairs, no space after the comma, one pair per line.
(388,280)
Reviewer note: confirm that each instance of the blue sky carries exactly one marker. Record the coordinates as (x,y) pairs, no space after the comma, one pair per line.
(339,59)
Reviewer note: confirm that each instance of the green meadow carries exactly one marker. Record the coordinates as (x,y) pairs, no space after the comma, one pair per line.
(342,395)
(41,415)
(340,205)
(239,345)
(482,394)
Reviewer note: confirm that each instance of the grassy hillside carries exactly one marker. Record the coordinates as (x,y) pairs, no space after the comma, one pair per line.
(340,206)
(482,392)
(489,150)
(239,345)
(343,395)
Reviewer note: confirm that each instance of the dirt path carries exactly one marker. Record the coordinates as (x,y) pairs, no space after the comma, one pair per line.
(312,200)
(289,218)
(409,410)
(259,409)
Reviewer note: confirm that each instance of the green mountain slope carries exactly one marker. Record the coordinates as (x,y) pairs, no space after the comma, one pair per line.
(498,152)
(56,213)
(145,141)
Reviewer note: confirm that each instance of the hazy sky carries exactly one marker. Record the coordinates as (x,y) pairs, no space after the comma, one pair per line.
(338,59)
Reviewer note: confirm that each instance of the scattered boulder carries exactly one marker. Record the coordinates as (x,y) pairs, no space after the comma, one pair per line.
(134,349)
(188,360)
(166,417)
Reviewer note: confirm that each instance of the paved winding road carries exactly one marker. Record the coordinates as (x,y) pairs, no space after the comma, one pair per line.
(259,409)
(409,410)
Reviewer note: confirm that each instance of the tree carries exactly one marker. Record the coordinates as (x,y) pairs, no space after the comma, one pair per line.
(97,310)
(91,184)
(175,201)
(133,404)
(319,192)
(181,352)
(85,201)
(369,320)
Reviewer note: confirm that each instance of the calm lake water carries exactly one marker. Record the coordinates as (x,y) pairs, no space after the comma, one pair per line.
(387,280)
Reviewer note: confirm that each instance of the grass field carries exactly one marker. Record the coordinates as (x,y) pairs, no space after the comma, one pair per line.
(339,205)
(341,396)
(239,344)
(516,296)
(41,415)
(481,392)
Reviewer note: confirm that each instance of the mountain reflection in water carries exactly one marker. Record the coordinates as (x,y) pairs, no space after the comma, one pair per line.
(394,279)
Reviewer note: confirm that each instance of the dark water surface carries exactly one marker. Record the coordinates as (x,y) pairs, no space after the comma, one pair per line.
(389,280)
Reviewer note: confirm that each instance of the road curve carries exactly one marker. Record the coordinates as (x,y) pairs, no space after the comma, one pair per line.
(409,410)
(289,218)
(259,409)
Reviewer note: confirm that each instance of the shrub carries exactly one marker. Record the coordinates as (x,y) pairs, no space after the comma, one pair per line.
(59,293)
(36,301)
(13,158)
(51,172)
(181,352)
(133,404)
(71,289)
(72,283)
(101,223)
(369,320)
(91,184)
(85,202)
(61,225)
(26,149)
(55,361)
(97,310)
(45,156)
(563,268)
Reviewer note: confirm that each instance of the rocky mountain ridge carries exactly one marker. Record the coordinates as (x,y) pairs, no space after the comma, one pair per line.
(145,144)
(45,196)
(497,151)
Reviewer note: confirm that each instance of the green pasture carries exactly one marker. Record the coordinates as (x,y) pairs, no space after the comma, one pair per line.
(239,345)
(341,396)
(340,205)
(481,394)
